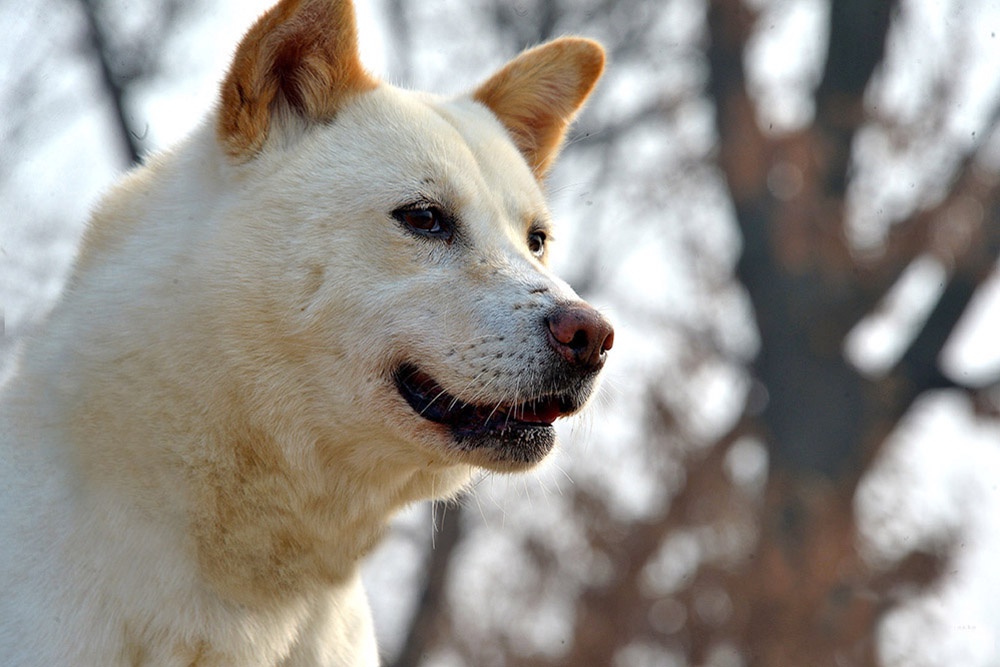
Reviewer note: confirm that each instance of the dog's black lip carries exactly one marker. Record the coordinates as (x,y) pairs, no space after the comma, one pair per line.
(429,400)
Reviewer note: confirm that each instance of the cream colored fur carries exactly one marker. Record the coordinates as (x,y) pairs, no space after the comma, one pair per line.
(204,441)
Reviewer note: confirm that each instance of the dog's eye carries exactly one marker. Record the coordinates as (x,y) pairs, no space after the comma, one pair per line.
(536,243)
(426,221)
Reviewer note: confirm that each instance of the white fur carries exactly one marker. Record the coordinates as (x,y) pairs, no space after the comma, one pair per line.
(202,445)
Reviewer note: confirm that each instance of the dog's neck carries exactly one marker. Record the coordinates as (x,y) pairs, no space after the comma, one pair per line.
(287,529)
(256,526)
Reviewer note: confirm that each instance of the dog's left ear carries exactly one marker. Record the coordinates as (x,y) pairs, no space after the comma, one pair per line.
(537,95)
(301,56)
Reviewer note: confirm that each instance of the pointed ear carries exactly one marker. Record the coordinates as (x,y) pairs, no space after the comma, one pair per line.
(302,54)
(537,94)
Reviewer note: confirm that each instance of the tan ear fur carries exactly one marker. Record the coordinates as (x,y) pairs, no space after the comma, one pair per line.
(302,53)
(538,93)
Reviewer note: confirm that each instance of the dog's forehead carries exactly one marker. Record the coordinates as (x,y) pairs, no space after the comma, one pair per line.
(487,140)
(456,143)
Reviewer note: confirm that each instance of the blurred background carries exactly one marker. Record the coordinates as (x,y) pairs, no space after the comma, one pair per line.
(791,211)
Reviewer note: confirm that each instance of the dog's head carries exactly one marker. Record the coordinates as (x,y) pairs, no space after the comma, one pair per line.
(399,289)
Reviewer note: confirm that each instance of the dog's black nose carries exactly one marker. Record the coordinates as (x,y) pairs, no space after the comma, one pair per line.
(580,334)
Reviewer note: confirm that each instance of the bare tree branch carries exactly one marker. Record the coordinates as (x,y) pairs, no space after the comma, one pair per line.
(431,601)
(113,90)
(972,263)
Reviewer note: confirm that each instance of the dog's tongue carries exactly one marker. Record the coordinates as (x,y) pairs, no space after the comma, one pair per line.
(544,412)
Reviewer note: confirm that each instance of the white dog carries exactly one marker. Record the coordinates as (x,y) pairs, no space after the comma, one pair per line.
(330,301)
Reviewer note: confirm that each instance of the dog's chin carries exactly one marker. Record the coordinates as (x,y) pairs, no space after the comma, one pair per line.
(508,450)
(502,437)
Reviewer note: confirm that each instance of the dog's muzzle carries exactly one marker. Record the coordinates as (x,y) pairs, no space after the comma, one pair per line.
(578,338)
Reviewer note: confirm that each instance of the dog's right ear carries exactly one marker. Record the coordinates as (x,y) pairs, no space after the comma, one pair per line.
(301,55)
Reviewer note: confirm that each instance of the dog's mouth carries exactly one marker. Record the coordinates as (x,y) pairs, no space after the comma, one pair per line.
(429,400)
